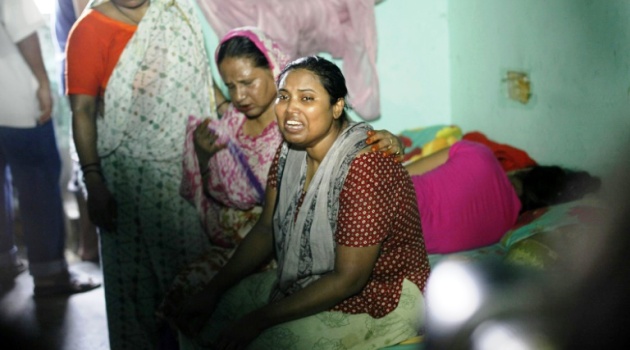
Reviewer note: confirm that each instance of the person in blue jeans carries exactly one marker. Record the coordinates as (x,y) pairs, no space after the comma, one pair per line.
(29,158)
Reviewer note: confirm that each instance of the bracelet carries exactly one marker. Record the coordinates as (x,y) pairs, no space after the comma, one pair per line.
(221,104)
(97,164)
(98,171)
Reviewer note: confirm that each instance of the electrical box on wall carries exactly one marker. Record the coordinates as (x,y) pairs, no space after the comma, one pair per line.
(518,86)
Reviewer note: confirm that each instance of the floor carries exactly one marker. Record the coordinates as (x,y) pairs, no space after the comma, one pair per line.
(76,322)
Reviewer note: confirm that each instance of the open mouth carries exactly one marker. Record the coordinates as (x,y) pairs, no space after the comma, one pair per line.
(293,125)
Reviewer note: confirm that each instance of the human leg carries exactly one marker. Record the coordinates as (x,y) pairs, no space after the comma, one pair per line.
(158,233)
(36,168)
(33,158)
(235,224)
(8,249)
(177,237)
(325,330)
(10,265)
(337,330)
(126,266)
(250,294)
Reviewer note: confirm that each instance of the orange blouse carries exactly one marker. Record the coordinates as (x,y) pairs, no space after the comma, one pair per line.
(94,47)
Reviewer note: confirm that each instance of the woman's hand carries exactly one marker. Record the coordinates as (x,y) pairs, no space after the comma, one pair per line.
(239,334)
(387,143)
(194,312)
(206,144)
(101,203)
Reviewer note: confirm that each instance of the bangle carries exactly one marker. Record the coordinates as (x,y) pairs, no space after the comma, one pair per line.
(97,164)
(221,104)
(98,171)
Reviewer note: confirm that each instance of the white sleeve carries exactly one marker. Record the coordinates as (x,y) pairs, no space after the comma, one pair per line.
(20,18)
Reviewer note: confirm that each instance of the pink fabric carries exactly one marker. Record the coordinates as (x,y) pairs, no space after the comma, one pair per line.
(344,28)
(466,203)
(237,171)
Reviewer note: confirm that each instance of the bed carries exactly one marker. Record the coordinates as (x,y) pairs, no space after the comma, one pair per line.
(536,241)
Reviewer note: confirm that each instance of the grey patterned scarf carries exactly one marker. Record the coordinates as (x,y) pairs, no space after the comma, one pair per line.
(304,244)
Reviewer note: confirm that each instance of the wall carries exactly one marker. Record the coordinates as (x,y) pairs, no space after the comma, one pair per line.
(442,61)
(577,53)
(413,63)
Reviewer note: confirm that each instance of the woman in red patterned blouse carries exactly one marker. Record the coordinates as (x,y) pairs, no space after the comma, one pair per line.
(345,229)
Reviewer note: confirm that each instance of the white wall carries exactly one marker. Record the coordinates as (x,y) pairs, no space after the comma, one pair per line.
(413,63)
(442,62)
(577,53)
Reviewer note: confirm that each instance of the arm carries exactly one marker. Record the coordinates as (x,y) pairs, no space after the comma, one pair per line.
(428,163)
(353,267)
(101,205)
(255,250)
(205,140)
(206,146)
(357,251)
(31,52)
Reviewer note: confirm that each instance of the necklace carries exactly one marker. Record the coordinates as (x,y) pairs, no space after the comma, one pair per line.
(124,14)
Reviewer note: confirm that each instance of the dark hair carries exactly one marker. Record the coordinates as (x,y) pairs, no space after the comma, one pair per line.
(329,75)
(547,185)
(240,46)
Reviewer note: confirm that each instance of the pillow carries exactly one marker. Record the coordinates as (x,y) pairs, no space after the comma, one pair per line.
(423,141)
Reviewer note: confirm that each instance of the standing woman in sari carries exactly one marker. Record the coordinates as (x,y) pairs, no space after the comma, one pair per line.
(136,70)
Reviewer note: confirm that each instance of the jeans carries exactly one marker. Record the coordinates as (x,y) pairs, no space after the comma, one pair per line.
(29,159)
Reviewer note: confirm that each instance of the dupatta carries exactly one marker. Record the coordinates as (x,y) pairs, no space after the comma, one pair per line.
(238,174)
(162,77)
(304,244)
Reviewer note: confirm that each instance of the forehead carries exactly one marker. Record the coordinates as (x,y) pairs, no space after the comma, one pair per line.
(238,67)
(300,79)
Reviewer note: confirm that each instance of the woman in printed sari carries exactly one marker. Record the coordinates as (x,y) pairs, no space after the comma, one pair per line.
(136,70)
(226,161)
(345,229)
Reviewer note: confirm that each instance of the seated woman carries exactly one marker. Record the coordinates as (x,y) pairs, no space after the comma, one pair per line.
(226,161)
(467,201)
(345,229)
